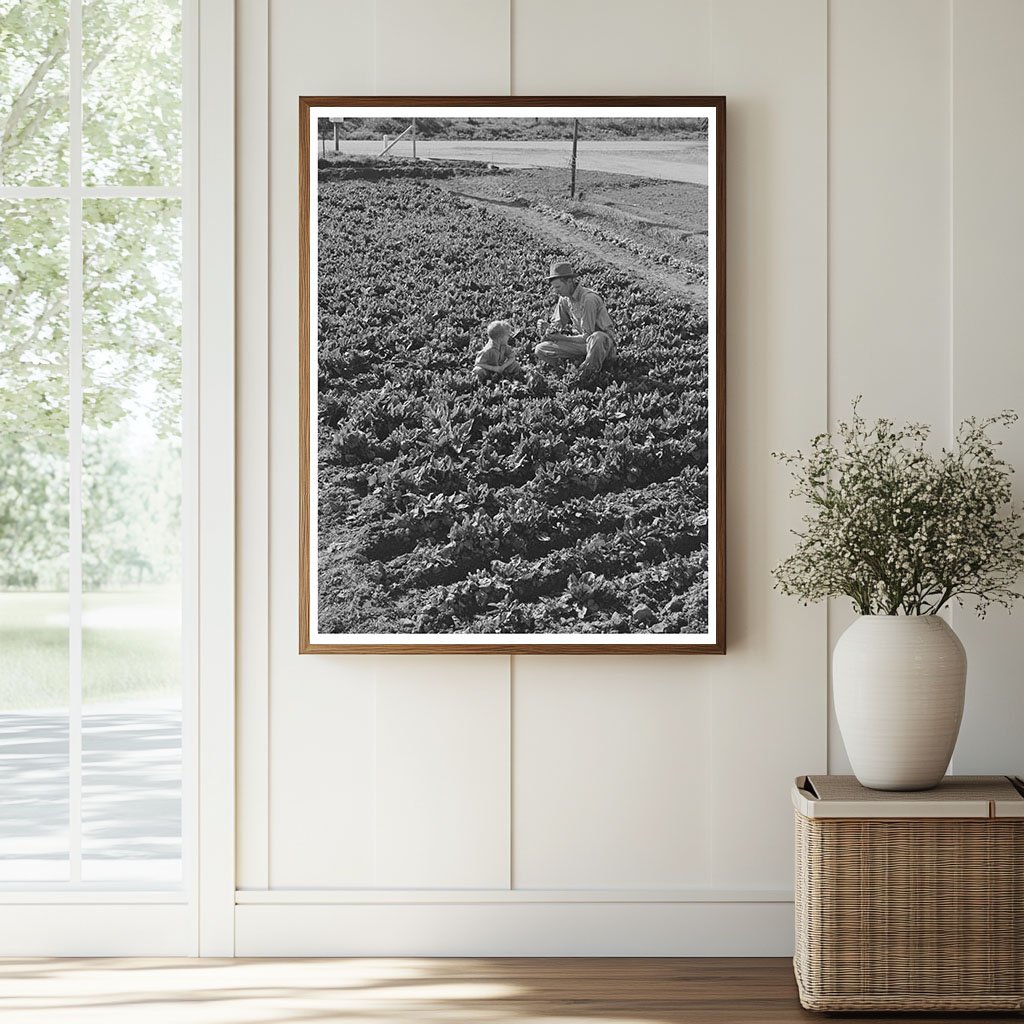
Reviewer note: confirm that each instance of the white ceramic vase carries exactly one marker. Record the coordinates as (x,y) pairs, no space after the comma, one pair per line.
(898,684)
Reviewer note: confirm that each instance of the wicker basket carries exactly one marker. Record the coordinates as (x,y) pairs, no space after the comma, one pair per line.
(910,901)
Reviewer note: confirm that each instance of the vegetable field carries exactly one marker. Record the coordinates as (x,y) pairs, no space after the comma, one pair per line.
(546,505)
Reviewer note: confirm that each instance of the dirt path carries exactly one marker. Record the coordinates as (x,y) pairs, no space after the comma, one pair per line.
(565,237)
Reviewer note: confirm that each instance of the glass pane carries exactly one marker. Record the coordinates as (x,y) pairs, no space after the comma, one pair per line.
(131,92)
(33,540)
(131,541)
(33,92)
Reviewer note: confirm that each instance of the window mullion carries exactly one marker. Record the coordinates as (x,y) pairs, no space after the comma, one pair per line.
(75,334)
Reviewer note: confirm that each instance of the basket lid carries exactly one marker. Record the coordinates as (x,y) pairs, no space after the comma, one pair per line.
(957,796)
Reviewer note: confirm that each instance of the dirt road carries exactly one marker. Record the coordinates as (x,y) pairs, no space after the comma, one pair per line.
(565,237)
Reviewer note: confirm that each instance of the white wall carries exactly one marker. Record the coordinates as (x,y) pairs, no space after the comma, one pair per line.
(625,805)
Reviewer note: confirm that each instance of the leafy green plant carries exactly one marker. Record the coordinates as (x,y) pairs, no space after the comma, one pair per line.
(899,529)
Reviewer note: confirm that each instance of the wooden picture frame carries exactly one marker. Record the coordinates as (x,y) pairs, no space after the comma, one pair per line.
(497,456)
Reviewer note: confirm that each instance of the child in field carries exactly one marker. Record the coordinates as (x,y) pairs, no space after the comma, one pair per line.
(496,359)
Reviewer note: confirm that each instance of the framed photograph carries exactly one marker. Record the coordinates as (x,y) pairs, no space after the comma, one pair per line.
(512,375)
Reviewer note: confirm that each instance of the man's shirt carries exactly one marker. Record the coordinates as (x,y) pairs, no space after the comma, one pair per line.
(586,311)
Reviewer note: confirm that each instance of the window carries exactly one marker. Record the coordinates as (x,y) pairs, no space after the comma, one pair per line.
(95,455)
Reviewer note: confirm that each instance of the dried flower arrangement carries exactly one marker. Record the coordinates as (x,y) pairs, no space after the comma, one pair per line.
(900,530)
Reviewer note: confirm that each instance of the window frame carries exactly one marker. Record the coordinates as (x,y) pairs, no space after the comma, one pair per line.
(75,918)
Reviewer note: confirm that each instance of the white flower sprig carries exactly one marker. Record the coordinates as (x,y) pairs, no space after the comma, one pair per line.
(897,529)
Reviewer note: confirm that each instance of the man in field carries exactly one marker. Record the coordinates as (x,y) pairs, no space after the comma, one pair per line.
(580,328)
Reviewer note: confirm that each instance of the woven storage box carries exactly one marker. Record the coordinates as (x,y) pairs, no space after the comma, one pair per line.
(910,901)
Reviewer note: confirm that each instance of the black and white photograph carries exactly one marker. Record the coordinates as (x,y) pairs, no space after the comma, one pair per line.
(512,375)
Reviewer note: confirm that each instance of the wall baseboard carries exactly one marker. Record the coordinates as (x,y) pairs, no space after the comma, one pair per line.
(331,897)
(100,928)
(515,929)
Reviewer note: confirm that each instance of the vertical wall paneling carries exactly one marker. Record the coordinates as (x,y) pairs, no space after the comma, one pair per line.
(872,248)
(442,773)
(597,801)
(323,758)
(889,213)
(442,48)
(889,246)
(333,716)
(252,462)
(321,708)
(987,368)
(442,769)
(769,692)
(612,784)
(608,48)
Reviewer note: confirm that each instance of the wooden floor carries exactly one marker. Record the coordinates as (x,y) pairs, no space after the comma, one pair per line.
(381,991)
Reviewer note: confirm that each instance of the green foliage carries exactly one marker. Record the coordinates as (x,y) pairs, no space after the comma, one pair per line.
(34,321)
(33,392)
(131,95)
(131,92)
(33,514)
(131,509)
(131,385)
(33,92)
(131,302)
(132,312)
(898,529)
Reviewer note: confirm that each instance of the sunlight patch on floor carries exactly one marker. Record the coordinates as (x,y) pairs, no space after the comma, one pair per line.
(301,991)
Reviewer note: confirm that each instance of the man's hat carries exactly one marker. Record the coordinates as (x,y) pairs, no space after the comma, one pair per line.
(561,270)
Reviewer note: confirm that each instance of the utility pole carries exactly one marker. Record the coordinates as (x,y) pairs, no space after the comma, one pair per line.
(414,138)
(572,163)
